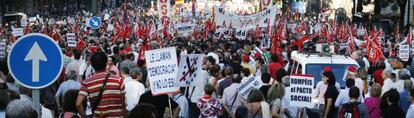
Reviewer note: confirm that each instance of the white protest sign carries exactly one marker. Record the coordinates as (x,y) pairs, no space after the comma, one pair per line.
(23,22)
(71,39)
(162,70)
(2,49)
(184,29)
(247,85)
(106,17)
(404,52)
(360,32)
(291,27)
(241,33)
(343,45)
(17,32)
(51,21)
(189,69)
(248,21)
(301,91)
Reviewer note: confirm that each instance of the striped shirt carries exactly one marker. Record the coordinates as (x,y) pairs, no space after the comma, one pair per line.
(112,103)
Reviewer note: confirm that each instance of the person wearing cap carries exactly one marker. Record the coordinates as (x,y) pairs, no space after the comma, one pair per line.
(352,72)
(321,89)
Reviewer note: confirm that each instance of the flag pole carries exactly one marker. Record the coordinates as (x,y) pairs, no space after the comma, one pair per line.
(169,103)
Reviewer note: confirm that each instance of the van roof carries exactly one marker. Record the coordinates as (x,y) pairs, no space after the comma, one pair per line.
(14,14)
(316,59)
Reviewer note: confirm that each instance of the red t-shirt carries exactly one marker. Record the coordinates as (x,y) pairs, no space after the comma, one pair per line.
(273,68)
(378,78)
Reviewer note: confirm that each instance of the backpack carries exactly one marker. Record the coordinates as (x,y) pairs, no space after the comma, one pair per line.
(349,110)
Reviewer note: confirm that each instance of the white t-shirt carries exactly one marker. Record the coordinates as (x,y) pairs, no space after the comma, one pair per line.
(133,91)
(46,113)
(389,84)
(183,103)
(321,89)
(89,70)
(359,83)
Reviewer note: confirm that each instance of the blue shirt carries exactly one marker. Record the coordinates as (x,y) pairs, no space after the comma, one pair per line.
(67,85)
(404,101)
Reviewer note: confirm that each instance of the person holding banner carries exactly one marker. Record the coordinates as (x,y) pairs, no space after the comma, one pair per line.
(231,99)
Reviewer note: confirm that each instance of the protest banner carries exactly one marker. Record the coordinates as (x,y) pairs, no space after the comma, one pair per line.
(247,85)
(241,33)
(17,32)
(162,70)
(248,21)
(2,48)
(164,10)
(71,39)
(404,52)
(190,67)
(300,91)
(219,32)
(266,4)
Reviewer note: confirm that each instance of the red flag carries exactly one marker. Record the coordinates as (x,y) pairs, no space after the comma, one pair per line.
(300,42)
(273,48)
(374,52)
(302,27)
(257,32)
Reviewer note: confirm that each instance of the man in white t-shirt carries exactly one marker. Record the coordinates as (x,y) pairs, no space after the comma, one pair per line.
(85,70)
(182,110)
(133,88)
(392,82)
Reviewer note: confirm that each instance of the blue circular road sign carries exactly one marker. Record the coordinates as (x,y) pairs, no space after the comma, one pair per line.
(94,22)
(35,61)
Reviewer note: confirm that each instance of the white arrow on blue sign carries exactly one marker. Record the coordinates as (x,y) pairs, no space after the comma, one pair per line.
(94,22)
(35,61)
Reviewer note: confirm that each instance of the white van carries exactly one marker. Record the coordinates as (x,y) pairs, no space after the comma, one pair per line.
(13,18)
(313,64)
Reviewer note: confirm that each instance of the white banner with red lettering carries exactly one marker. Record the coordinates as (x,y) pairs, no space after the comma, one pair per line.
(164,10)
(246,22)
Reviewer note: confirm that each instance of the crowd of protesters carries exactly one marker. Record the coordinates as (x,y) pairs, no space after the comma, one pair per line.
(105,75)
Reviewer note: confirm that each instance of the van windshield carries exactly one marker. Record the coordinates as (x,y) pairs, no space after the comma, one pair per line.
(338,69)
(10,19)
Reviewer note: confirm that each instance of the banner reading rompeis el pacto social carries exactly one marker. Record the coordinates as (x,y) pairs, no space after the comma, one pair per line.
(246,22)
(164,10)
